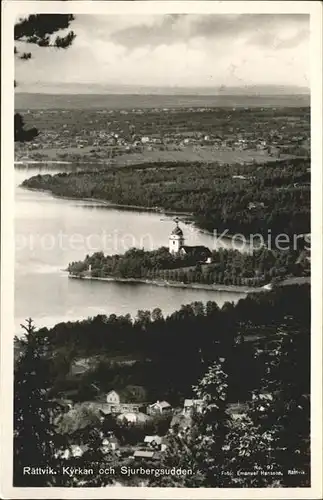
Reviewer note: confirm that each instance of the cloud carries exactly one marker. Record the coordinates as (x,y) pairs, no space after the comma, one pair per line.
(294,41)
(165,30)
(170,29)
(177,50)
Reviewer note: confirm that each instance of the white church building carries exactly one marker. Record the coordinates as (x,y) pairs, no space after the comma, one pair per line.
(176,245)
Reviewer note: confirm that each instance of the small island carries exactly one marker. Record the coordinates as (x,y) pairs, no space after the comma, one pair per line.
(198,267)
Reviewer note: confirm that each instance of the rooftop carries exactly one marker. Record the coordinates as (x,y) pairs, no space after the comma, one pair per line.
(196,250)
(162,404)
(144,454)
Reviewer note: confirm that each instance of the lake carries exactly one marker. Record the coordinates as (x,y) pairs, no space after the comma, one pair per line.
(51,232)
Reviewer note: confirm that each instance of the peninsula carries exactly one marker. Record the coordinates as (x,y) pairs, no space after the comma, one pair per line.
(195,266)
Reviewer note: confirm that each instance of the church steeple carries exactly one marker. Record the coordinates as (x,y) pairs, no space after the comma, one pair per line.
(176,239)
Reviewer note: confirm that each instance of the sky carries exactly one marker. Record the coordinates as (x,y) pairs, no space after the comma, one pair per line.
(179,50)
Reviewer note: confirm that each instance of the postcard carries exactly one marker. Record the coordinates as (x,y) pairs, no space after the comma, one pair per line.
(161,250)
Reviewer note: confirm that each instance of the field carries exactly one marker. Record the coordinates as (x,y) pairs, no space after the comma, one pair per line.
(236,135)
(205,154)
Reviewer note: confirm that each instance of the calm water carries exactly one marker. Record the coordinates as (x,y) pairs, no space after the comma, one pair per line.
(52,232)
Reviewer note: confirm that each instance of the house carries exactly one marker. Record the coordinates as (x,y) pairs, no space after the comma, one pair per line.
(115,405)
(113,397)
(133,417)
(128,417)
(160,407)
(125,407)
(113,402)
(191,405)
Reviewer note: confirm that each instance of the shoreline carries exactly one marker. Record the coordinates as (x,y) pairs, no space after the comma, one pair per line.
(109,204)
(174,284)
(93,200)
(141,208)
(300,280)
(42,162)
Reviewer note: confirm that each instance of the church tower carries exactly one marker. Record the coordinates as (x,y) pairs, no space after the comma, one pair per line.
(176,239)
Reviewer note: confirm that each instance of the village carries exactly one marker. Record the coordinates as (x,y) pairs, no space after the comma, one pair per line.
(109,134)
(136,417)
(132,415)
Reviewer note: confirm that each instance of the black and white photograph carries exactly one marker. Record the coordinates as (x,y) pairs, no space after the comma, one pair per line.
(157,321)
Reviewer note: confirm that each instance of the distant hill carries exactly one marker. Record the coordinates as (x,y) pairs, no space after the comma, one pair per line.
(24,101)
(107,89)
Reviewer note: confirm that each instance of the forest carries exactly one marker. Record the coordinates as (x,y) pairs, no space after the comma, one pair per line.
(136,352)
(246,199)
(269,333)
(228,267)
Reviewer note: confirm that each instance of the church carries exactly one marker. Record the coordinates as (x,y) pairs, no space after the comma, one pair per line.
(177,246)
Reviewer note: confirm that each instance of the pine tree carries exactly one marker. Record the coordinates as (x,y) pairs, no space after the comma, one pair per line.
(35,438)
(268,438)
(199,446)
(286,385)
(39,29)
(38,438)
(93,457)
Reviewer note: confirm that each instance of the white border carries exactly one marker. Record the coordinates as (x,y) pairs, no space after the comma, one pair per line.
(11,9)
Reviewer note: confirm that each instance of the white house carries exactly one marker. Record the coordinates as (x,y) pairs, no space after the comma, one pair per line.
(115,405)
(159,407)
(133,417)
(113,398)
